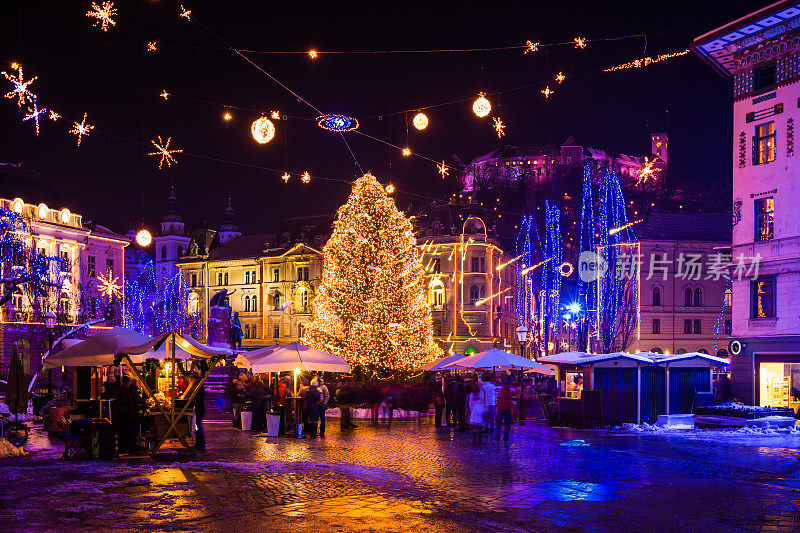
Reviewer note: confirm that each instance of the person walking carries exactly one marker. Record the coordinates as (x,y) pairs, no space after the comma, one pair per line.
(344,399)
(490,399)
(199,412)
(461,403)
(450,412)
(438,404)
(477,412)
(325,396)
(311,409)
(504,407)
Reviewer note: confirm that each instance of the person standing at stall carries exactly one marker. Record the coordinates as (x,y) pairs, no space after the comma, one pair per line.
(325,396)
(504,408)
(312,399)
(461,403)
(199,411)
(490,399)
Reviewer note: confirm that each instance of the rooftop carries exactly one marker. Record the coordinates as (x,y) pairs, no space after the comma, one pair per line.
(702,227)
(244,247)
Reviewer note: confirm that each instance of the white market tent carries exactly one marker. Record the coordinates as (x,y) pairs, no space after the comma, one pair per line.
(494,358)
(294,357)
(439,363)
(98,350)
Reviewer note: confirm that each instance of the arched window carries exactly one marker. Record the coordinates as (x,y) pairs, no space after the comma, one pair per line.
(680,351)
(702,350)
(656,350)
(163,251)
(63,303)
(437,296)
(302,298)
(254,303)
(247,331)
(247,303)
(656,296)
(193,301)
(687,297)
(698,297)
(180,251)
(474,294)
(722,353)
(276,302)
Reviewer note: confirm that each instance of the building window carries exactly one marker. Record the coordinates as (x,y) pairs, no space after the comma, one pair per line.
(303,299)
(728,326)
(164,251)
(656,296)
(687,326)
(742,149)
(16,299)
(656,326)
(225,278)
(698,298)
(763,297)
(253,277)
(246,303)
(180,251)
(276,275)
(254,303)
(764,143)
(764,219)
(478,264)
(219,278)
(302,273)
(728,297)
(109,268)
(63,303)
(696,327)
(246,331)
(474,294)
(301,331)
(91,268)
(437,297)
(247,277)
(656,350)
(192,305)
(194,280)
(680,351)
(276,331)
(436,267)
(276,302)
(764,77)
(687,297)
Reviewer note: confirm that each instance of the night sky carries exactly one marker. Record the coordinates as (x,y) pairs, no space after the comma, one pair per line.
(109,179)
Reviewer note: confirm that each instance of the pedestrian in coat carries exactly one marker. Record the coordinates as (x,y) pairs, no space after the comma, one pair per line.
(199,412)
(477,413)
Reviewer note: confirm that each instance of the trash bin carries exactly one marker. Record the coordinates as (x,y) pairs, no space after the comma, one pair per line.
(247,420)
(273,424)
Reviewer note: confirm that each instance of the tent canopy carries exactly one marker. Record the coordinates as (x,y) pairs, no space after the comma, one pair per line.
(185,347)
(439,363)
(494,358)
(294,356)
(98,350)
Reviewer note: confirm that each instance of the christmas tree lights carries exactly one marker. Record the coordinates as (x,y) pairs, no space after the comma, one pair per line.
(371,307)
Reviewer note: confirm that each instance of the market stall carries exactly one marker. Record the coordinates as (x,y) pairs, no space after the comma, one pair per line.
(169,414)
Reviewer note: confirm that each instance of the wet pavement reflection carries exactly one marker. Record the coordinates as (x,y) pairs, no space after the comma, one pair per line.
(415,477)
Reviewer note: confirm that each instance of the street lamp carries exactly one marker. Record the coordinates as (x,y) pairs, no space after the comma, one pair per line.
(49,324)
(522,336)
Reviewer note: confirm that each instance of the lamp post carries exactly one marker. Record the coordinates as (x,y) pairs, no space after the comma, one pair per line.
(49,324)
(522,336)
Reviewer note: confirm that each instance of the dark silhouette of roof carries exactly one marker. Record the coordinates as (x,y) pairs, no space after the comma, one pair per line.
(703,227)
(243,247)
(19,182)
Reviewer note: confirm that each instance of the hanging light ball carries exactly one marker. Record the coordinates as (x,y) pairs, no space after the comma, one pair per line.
(144,238)
(481,106)
(263,130)
(420,121)
(337,123)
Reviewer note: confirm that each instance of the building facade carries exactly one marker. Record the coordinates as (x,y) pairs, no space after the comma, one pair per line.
(685,306)
(761,53)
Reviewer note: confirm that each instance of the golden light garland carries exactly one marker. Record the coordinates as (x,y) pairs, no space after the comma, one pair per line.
(81,129)
(501,266)
(275,115)
(263,130)
(614,231)
(547,91)
(227,116)
(534,267)
(484,300)
(647,61)
(420,121)
(163,150)
(499,127)
(389,189)
(647,171)
(54,116)
(103,15)
(481,106)
(21,90)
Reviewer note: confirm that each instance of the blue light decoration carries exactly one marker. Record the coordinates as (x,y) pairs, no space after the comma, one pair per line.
(721,317)
(618,294)
(550,276)
(587,290)
(150,311)
(337,123)
(524,250)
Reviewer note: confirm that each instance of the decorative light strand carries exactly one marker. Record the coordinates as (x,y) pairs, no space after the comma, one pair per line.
(647,61)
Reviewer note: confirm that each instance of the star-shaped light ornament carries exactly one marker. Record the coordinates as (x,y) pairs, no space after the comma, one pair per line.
(33,114)
(275,115)
(164,94)
(547,91)
(305,177)
(54,115)
(186,13)
(499,127)
(21,90)
(163,150)
(81,129)
(286,177)
(531,46)
(580,42)
(103,14)
(108,287)
(560,77)
(152,46)
(443,170)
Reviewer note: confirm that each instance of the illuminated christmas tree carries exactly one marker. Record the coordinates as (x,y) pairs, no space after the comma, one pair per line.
(371,307)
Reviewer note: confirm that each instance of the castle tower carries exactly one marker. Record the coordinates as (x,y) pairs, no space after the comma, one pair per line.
(229,230)
(171,243)
(659,145)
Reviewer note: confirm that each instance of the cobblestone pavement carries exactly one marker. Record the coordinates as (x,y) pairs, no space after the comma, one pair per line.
(414,477)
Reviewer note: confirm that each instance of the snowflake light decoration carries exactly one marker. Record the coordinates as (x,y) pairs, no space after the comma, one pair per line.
(580,42)
(647,171)
(275,115)
(313,54)
(499,127)
(547,91)
(54,115)
(560,77)
(443,170)
(162,149)
(305,177)
(152,46)
(531,46)
(33,114)
(108,287)
(406,152)
(164,94)
(186,13)
(103,14)
(81,128)
(21,89)
(286,177)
